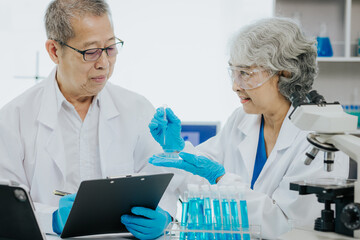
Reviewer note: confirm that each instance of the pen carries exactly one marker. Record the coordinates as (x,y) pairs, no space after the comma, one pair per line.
(60,193)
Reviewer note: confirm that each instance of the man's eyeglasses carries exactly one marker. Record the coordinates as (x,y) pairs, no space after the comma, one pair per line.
(94,54)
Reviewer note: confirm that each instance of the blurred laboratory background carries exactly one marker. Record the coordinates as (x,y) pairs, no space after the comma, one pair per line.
(175,52)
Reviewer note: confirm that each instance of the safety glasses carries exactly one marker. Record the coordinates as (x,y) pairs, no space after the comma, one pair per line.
(248,78)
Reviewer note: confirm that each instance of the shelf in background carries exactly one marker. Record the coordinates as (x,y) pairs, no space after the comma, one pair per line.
(338,59)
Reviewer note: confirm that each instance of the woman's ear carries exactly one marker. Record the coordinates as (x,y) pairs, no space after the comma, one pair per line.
(285,74)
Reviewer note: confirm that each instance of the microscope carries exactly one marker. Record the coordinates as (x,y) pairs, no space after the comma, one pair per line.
(330,130)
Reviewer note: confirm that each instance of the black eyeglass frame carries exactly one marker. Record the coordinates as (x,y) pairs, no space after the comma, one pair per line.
(84,51)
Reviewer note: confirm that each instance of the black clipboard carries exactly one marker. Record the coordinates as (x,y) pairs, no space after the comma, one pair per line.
(99,204)
(17,216)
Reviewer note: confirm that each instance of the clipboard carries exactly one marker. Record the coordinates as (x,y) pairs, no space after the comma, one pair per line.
(99,204)
(17,218)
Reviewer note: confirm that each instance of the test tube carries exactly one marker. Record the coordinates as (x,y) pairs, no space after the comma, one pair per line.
(224,195)
(184,214)
(164,130)
(168,153)
(196,220)
(207,211)
(191,216)
(235,223)
(244,215)
(217,211)
(244,219)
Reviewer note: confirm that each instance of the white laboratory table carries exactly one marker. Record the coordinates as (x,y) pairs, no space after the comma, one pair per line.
(121,236)
(295,234)
(307,233)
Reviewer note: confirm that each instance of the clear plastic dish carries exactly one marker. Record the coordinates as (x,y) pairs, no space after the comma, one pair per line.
(327,181)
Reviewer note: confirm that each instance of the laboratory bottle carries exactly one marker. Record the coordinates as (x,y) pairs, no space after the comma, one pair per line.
(358,45)
(324,48)
(357,113)
(352,109)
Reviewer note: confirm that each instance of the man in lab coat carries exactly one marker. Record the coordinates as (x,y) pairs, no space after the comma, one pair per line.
(76,126)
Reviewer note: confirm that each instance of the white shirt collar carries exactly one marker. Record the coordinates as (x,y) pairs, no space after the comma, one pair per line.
(51,104)
(60,99)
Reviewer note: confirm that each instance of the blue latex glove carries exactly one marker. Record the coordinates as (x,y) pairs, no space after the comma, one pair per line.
(148,223)
(171,127)
(197,165)
(61,215)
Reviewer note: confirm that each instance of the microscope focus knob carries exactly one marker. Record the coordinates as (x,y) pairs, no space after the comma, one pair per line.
(350,216)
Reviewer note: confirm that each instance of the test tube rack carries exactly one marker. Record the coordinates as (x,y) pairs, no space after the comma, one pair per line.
(175,231)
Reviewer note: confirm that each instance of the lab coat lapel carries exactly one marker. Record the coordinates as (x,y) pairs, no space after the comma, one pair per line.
(49,136)
(107,130)
(288,133)
(286,138)
(250,128)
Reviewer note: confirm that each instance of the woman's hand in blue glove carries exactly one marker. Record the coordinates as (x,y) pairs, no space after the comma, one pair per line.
(171,127)
(148,223)
(61,215)
(197,165)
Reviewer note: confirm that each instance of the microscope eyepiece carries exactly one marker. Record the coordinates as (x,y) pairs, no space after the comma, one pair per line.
(298,99)
(315,97)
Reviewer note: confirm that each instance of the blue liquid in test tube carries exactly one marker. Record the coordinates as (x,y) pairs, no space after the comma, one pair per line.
(207,218)
(184,215)
(201,211)
(244,219)
(226,217)
(193,211)
(217,218)
(207,211)
(200,218)
(235,218)
(196,213)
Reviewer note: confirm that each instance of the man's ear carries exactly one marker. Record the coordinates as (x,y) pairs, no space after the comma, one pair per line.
(53,49)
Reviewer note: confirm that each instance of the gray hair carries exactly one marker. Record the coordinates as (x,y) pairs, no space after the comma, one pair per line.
(60,12)
(278,44)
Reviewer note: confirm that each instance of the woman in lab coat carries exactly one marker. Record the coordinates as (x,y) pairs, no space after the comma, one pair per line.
(259,147)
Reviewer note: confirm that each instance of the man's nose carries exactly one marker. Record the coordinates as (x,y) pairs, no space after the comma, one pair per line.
(103,61)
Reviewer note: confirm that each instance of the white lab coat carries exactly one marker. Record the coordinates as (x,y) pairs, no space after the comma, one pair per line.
(271,204)
(32,151)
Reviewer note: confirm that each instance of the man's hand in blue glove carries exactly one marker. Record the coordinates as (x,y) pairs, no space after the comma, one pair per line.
(171,127)
(197,165)
(61,215)
(148,223)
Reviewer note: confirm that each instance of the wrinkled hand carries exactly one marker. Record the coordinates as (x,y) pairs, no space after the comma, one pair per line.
(197,165)
(61,215)
(171,127)
(148,223)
